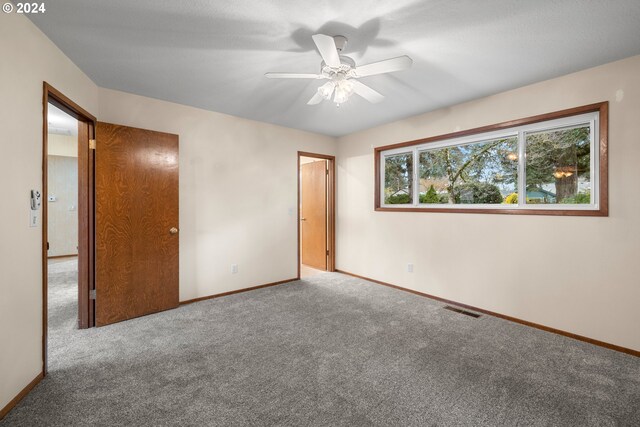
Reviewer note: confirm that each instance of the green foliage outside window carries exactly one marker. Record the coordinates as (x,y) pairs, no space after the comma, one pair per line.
(578,199)
(430,196)
(398,199)
(478,193)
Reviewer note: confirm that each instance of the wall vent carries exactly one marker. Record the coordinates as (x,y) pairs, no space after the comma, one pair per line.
(461,311)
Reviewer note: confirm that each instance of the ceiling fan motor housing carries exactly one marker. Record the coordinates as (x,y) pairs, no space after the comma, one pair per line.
(346,64)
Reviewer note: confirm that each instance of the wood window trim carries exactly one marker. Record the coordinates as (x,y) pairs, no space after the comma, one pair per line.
(602,108)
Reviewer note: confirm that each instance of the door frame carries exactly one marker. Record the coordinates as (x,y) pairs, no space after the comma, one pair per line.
(86,203)
(331,207)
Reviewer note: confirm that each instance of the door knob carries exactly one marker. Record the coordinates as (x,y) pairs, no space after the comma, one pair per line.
(303,219)
(173,230)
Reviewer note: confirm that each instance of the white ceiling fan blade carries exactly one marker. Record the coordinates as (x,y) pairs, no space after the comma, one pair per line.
(316,99)
(366,92)
(327,48)
(293,76)
(386,66)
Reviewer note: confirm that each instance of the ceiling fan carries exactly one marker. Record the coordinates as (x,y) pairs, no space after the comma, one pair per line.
(342,72)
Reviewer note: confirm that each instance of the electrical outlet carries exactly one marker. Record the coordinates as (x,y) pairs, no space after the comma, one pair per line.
(234,268)
(409,268)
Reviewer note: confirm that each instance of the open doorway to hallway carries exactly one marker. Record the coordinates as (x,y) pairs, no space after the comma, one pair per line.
(67,222)
(316,213)
(62,221)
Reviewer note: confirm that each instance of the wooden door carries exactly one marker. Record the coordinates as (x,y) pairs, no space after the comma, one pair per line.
(136,222)
(313,216)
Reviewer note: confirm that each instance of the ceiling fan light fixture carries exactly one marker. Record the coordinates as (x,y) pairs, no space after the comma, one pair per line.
(340,97)
(326,90)
(344,90)
(347,86)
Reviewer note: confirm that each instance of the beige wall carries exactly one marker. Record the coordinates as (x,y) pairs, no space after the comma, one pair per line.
(28,58)
(237,191)
(580,275)
(62,145)
(62,185)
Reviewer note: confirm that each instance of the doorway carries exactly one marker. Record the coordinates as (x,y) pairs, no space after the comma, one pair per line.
(316,214)
(62,221)
(67,216)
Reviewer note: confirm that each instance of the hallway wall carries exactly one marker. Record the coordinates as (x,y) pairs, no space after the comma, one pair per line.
(62,211)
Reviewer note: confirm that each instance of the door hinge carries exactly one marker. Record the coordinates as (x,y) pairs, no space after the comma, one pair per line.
(92,294)
(92,144)
(327,252)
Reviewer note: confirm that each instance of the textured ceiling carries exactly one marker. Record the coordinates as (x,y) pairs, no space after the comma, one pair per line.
(213,54)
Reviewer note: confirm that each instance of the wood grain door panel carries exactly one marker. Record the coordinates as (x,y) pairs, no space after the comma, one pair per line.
(314,214)
(136,207)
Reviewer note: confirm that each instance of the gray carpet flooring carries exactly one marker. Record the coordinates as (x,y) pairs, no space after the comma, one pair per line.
(330,350)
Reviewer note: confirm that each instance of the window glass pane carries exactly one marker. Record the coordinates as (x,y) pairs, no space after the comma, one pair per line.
(398,179)
(558,166)
(479,173)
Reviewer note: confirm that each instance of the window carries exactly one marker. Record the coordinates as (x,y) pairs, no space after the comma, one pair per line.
(398,179)
(552,164)
(558,166)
